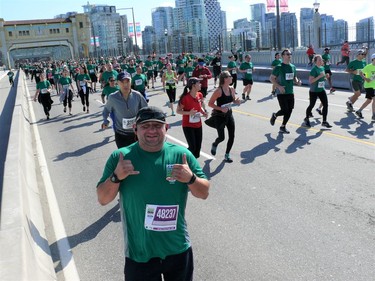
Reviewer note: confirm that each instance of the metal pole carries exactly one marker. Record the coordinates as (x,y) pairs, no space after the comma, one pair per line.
(135,33)
(278,31)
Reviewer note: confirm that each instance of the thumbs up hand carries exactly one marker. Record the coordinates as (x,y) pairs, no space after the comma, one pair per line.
(182,172)
(124,168)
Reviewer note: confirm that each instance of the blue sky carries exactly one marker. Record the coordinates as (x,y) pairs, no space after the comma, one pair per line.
(349,10)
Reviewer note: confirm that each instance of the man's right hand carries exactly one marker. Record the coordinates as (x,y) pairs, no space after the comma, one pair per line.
(124,168)
(104,126)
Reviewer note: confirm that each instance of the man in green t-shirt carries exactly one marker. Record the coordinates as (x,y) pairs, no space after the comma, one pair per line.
(327,68)
(355,68)
(275,63)
(139,82)
(283,77)
(368,74)
(153,178)
(247,68)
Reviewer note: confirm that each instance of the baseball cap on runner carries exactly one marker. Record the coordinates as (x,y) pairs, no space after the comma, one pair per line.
(150,113)
(192,81)
(360,52)
(124,75)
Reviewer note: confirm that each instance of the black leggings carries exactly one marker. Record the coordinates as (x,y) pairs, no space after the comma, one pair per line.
(194,139)
(85,96)
(286,102)
(234,81)
(68,98)
(46,102)
(323,99)
(171,92)
(221,135)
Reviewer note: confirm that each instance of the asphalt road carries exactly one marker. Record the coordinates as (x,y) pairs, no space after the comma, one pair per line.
(290,207)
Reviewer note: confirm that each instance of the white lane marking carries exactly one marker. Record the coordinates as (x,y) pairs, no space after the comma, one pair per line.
(68,265)
(329,104)
(185,144)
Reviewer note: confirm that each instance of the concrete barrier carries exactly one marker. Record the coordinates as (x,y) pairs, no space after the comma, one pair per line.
(25,253)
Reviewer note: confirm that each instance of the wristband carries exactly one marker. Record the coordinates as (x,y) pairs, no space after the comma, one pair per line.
(192,179)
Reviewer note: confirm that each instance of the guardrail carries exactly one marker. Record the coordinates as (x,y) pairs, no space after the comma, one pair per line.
(25,253)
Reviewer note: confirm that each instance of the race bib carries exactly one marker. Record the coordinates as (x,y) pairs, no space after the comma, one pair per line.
(190,73)
(138,82)
(289,76)
(249,71)
(161,217)
(195,118)
(82,83)
(321,84)
(92,71)
(127,123)
(218,63)
(44,91)
(234,71)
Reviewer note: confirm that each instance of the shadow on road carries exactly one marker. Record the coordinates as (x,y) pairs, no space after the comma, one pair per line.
(262,149)
(87,234)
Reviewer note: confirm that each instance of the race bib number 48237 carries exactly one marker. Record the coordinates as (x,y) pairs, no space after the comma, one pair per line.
(161,217)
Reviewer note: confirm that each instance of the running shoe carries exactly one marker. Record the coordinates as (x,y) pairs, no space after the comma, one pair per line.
(284,130)
(319,111)
(359,114)
(227,158)
(248,98)
(64,108)
(84,108)
(349,105)
(326,124)
(273,119)
(332,90)
(307,122)
(243,96)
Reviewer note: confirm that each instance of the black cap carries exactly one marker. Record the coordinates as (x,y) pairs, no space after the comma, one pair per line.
(150,113)
(192,81)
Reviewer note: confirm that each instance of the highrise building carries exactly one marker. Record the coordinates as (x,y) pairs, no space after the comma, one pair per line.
(106,30)
(215,24)
(341,31)
(306,26)
(327,30)
(269,37)
(163,24)
(149,44)
(258,14)
(289,34)
(365,30)
(191,26)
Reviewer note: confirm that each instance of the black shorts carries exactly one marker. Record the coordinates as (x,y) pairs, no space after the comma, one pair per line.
(93,77)
(247,82)
(370,93)
(357,86)
(328,71)
(173,267)
(150,75)
(180,72)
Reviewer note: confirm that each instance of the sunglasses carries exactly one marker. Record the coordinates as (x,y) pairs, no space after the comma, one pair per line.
(288,54)
(112,80)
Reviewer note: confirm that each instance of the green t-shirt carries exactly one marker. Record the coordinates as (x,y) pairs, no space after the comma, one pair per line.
(248,66)
(43,86)
(91,68)
(189,71)
(286,74)
(150,197)
(139,82)
(357,65)
(65,80)
(131,70)
(150,66)
(317,86)
(107,74)
(276,62)
(369,72)
(107,90)
(232,67)
(327,61)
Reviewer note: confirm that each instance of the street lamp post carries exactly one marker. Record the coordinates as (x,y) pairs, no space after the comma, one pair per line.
(135,33)
(278,29)
(317,25)
(166,40)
